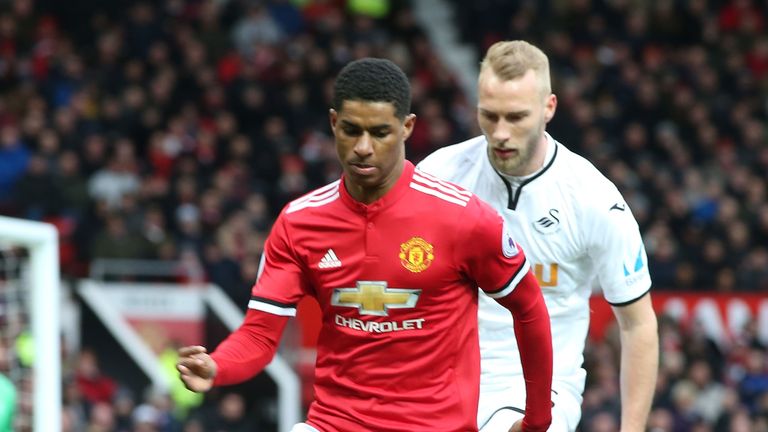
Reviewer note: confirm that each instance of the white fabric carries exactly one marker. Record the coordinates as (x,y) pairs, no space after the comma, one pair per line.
(566,411)
(303,427)
(574,226)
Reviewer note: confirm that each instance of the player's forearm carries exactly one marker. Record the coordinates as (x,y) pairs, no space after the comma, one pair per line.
(639,365)
(534,337)
(249,349)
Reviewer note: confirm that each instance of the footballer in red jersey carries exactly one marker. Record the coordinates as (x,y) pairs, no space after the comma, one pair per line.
(394,257)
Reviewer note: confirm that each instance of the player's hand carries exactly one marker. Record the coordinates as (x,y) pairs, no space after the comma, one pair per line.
(196,368)
(517,426)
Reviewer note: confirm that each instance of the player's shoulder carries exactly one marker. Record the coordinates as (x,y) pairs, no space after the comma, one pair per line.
(309,203)
(579,169)
(438,193)
(449,205)
(586,183)
(447,161)
(594,198)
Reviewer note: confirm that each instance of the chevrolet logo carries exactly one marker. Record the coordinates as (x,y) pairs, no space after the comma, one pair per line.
(374,298)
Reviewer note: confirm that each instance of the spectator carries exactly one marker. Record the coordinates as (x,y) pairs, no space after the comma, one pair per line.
(95,387)
(34,190)
(14,158)
(229,415)
(116,241)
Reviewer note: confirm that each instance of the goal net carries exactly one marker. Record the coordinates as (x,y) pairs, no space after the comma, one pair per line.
(30,361)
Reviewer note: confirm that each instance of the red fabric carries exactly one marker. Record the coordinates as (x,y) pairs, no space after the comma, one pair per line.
(96,389)
(414,364)
(732,17)
(229,68)
(534,337)
(758,64)
(249,349)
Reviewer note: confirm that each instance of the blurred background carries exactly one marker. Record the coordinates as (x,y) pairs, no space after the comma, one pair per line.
(163,137)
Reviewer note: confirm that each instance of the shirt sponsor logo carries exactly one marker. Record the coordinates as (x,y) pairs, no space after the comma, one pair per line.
(374,298)
(416,254)
(549,279)
(548,224)
(380,327)
(632,273)
(329,260)
(508,246)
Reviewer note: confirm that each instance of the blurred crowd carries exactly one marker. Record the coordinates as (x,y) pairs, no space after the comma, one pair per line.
(670,100)
(704,384)
(177,129)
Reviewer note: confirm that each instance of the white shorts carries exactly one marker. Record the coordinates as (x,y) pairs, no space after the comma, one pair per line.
(500,408)
(303,427)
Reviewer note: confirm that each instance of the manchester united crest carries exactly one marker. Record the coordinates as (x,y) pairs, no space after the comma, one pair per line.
(416,254)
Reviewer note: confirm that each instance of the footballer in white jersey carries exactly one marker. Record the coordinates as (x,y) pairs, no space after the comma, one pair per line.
(578,232)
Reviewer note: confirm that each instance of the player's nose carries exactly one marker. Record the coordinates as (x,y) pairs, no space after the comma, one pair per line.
(364,145)
(502,132)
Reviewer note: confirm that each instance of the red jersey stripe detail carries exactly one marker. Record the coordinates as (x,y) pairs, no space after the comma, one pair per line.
(441,188)
(316,195)
(444,183)
(438,194)
(330,199)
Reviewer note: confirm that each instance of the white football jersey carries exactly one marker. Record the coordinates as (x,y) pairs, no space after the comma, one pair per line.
(577,232)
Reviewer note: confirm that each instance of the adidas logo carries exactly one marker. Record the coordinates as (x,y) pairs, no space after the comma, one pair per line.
(330,260)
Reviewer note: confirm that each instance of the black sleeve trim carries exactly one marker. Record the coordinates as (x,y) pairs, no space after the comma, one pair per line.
(273,302)
(627,303)
(509,281)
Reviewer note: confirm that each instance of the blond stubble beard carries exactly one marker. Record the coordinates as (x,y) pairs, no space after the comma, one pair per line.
(516,167)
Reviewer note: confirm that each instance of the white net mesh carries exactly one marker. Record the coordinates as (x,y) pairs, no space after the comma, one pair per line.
(15,339)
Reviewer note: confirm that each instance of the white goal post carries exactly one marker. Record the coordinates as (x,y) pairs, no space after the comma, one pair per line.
(41,240)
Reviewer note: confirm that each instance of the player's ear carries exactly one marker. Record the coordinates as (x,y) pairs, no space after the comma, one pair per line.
(550,106)
(333,116)
(408,123)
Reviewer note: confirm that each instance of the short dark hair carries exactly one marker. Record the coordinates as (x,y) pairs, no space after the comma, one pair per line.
(373,80)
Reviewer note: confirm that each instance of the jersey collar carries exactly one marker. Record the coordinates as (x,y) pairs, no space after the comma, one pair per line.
(549,157)
(398,190)
(513,191)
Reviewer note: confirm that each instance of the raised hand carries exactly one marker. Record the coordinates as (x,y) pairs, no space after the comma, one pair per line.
(196,368)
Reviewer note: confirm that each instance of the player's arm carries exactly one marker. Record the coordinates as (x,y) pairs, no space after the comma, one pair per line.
(279,287)
(639,361)
(503,266)
(239,357)
(534,337)
(616,250)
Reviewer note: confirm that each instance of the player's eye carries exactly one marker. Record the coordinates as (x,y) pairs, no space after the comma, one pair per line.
(513,118)
(380,133)
(351,131)
(491,117)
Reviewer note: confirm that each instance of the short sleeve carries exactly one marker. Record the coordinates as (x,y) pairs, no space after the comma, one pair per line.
(617,251)
(281,282)
(489,255)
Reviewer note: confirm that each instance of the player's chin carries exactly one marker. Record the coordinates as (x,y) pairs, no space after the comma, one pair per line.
(365,177)
(367,181)
(504,166)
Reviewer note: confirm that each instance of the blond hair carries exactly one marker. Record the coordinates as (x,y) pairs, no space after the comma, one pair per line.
(510,60)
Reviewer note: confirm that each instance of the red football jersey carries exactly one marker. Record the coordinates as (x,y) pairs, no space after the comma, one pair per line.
(397,284)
